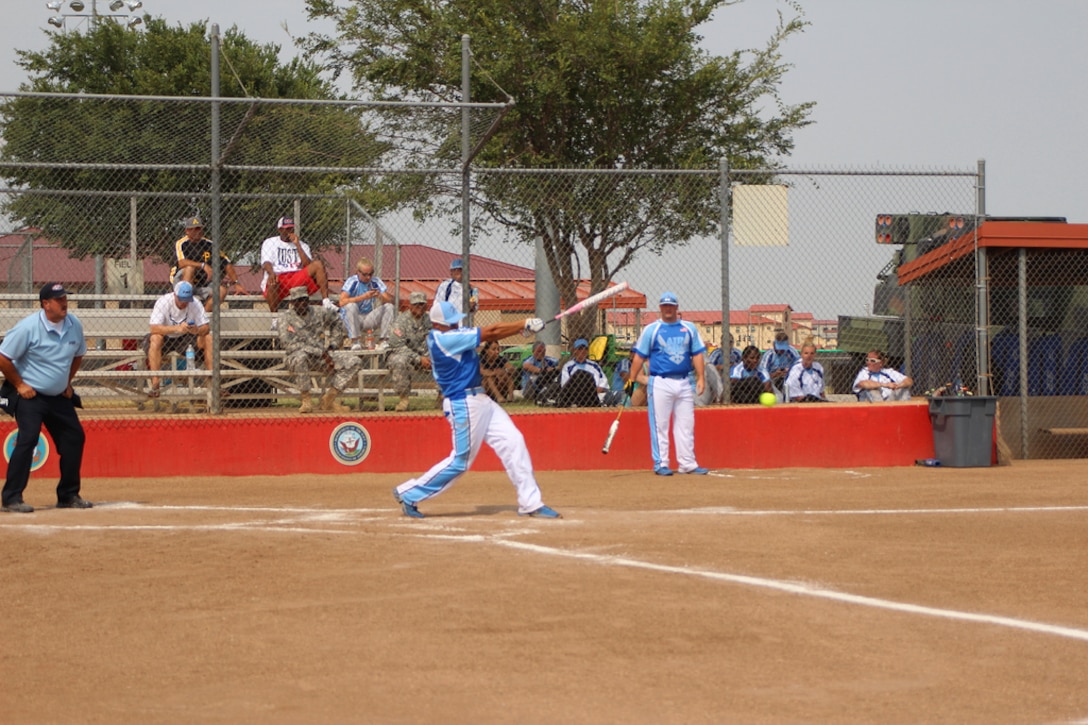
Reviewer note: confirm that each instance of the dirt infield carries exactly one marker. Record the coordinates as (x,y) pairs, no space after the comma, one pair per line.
(794,595)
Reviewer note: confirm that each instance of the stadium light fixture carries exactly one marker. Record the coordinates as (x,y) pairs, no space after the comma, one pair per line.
(134,22)
(134,5)
(116,5)
(77,5)
(56,22)
(54,5)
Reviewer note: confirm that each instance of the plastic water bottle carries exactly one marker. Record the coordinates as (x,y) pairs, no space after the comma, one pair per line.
(190,358)
(369,339)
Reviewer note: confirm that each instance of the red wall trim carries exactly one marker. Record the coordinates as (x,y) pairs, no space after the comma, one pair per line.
(813,435)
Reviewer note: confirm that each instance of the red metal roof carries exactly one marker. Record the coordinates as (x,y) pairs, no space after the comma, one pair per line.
(997,234)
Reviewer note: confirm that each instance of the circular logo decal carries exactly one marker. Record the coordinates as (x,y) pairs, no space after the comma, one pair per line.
(41,451)
(349,443)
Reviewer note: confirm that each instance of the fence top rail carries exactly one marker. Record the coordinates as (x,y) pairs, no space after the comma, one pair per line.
(258,100)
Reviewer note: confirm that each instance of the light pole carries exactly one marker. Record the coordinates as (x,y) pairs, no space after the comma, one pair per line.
(76,8)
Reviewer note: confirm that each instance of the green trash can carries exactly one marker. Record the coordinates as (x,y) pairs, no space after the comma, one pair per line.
(963,430)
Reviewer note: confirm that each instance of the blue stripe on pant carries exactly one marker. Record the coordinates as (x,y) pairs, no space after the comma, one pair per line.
(445,472)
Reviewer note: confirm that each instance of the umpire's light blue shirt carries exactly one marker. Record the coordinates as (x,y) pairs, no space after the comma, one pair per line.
(43,357)
(670,347)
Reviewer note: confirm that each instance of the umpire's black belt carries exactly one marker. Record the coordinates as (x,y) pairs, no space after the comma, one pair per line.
(673,377)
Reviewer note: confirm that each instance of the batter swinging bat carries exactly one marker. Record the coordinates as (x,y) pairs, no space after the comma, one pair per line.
(590,302)
(615,426)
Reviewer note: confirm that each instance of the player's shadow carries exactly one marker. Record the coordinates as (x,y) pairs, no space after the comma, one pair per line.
(486,511)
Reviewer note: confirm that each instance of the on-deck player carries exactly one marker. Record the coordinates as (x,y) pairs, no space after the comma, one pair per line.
(474,417)
(673,348)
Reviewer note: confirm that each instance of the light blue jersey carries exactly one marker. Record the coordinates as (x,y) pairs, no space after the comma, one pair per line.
(669,348)
(454,362)
(42,357)
(355,287)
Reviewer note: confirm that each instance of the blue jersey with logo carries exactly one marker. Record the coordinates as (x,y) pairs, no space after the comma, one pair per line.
(454,362)
(669,347)
(355,287)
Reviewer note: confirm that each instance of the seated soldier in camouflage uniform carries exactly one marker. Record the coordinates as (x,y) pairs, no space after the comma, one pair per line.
(408,347)
(303,331)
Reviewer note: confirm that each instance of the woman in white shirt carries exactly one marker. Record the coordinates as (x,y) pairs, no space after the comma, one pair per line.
(876,382)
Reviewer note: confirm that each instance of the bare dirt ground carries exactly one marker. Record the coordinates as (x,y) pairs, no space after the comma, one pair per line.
(869,596)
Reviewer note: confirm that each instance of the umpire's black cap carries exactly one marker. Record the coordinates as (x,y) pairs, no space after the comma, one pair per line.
(52,291)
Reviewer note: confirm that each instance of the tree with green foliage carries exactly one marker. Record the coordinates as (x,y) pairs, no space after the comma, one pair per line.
(597,85)
(77,156)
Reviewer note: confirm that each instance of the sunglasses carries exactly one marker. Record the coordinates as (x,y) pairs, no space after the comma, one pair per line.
(873,360)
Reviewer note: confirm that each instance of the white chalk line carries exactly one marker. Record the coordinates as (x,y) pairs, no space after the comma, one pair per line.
(730,511)
(609,560)
(803,590)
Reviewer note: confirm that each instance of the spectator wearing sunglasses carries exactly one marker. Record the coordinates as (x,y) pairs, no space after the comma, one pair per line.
(877,383)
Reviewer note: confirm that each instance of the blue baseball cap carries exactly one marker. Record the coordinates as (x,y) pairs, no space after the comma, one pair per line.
(457,263)
(781,345)
(668,298)
(581,342)
(443,313)
(184,291)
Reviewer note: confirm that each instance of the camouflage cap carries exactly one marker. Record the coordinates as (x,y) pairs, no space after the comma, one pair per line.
(417,298)
(298,293)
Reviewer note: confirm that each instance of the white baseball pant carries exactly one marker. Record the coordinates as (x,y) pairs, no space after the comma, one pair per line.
(478,419)
(672,398)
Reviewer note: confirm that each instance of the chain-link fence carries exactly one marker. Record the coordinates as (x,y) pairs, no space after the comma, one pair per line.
(816,254)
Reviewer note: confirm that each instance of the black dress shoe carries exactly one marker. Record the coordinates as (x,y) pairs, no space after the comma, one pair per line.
(18,507)
(74,503)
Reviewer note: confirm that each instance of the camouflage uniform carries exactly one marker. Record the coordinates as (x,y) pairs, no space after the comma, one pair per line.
(407,346)
(304,339)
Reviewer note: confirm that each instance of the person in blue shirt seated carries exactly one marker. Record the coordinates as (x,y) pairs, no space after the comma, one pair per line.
(717,358)
(805,383)
(537,371)
(747,379)
(776,363)
(582,382)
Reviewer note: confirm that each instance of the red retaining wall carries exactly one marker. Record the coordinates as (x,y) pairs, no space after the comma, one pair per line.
(832,435)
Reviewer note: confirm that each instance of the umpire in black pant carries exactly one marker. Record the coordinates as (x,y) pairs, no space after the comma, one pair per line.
(39,357)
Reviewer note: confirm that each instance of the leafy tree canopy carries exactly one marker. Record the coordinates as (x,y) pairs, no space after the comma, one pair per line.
(598,85)
(166,60)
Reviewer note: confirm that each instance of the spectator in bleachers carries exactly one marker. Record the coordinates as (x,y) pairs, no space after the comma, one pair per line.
(366,304)
(496,372)
(311,340)
(193,264)
(450,290)
(175,324)
(876,382)
(805,383)
(408,347)
(288,263)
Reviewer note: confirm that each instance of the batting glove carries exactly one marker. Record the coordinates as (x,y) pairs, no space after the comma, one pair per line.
(534,325)
(629,388)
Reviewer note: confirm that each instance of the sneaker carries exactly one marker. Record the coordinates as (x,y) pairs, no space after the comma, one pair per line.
(700,471)
(17,507)
(663,471)
(75,503)
(409,509)
(356,346)
(544,512)
(329,304)
(383,345)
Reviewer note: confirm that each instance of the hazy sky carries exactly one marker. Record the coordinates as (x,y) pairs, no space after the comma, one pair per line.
(907,84)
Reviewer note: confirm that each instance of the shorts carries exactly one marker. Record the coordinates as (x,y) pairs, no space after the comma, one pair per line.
(171,344)
(290,280)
